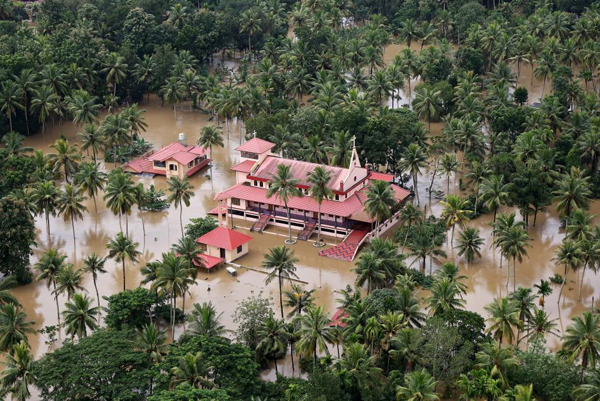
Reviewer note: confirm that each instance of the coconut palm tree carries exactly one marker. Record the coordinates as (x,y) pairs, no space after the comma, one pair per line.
(274,340)
(14,144)
(572,193)
(469,244)
(427,105)
(544,289)
(319,189)
(209,137)
(69,281)
(90,179)
(524,299)
(115,70)
(418,386)
(119,195)
(79,316)
(14,327)
(92,138)
(205,321)
(181,193)
(497,361)
(94,265)
(494,193)
(380,200)
(449,165)
(65,158)
(122,248)
(455,212)
(409,215)
(569,255)
(43,102)
(83,107)
(152,341)
(70,205)
(582,340)
(445,295)
(187,249)
(314,332)
(49,266)
(17,373)
(11,97)
(172,279)
(191,369)
(410,308)
(45,197)
(359,365)
(539,324)
(370,270)
(281,263)
(590,390)
(172,92)
(413,160)
(6,296)
(504,318)
(284,186)
(341,150)
(298,299)
(513,245)
(423,243)
(250,23)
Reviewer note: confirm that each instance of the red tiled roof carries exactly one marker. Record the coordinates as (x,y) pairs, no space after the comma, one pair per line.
(223,237)
(255,145)
(254,194)
(208,262)
(338,318)
(244,167)
(381,176)
(300,171)
(142,166)
(180,153)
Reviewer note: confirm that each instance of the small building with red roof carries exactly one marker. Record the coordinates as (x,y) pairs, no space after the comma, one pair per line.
(224,243)
(174,160)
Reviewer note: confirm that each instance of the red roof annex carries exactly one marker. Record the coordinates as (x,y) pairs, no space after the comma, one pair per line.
(244,167)
(208,262)
(255,145)
(223,237)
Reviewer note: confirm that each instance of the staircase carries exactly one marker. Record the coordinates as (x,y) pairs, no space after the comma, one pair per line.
(261,223)
(347,249)
(307,231)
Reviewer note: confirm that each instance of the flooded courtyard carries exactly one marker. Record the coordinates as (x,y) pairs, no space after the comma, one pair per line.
(486,280)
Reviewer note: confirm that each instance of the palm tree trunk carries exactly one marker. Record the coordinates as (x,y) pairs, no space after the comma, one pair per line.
(73,228)
(319,233)
(563,284)
(48,226)
(173,304)
(514,273)
(289,222)
(98,298)
(123,262)
(280,294)
(181,217)
(416,189)
(581,282)
(57,307)
(508,272)
(95,205)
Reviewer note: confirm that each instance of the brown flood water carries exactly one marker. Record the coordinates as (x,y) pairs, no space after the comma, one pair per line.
(486,280)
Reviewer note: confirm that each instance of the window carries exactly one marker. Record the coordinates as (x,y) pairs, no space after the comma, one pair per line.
(249,155)
(159,164)
(190,164)
(239,249)
(261,184)
(255,183)
(235,201)
(337,197)
(173,167)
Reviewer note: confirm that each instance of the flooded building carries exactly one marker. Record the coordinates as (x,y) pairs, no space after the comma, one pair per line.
(341,215)
(224,245)
(174,160)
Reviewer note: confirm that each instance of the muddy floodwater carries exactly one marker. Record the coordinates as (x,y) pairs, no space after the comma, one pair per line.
(485,278)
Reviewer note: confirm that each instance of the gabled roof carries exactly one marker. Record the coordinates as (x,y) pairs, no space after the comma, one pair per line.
(381,176)
(244,167)
(223,237)
(300,170)
(181,153)
(256,145)
(338,318)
